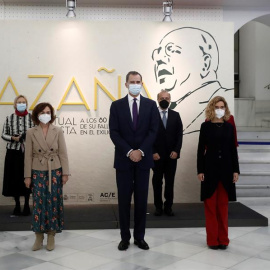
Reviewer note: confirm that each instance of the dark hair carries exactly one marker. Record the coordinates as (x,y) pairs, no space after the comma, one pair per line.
(133,73)
(39,108)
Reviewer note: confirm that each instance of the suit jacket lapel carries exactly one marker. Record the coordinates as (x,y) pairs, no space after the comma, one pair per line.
(127,110)
(38,134)
(169,119)
(142,109)
(51,135)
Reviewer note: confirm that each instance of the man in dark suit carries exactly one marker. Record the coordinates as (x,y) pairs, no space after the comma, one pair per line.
(166,151)
(133,127)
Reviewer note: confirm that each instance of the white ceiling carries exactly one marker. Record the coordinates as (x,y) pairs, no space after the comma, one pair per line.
(177,3)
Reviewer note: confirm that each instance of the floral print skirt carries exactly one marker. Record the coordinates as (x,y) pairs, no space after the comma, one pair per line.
(48,208)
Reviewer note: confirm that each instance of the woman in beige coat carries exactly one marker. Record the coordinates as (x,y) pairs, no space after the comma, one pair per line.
(46,170)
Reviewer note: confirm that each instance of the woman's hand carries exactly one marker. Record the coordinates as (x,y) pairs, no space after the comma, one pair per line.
(17,139)
(201,177)
(64,179)
(173,155)
(27,182)
(235,177)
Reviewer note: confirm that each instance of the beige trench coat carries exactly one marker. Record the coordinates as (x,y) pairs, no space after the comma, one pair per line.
(45,154)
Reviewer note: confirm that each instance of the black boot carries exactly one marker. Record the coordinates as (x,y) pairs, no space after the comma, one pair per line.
(17,209)
(26,208)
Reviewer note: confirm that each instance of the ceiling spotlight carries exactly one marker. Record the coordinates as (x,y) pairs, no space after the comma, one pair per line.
(71,5)
(167,10)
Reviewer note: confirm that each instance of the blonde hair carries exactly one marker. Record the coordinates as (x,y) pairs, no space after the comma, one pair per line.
(210,109)
(16,99)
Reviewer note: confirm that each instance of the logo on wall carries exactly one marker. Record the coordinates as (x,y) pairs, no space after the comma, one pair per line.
(71,197)
(107,196)
(90,197)
(80,197)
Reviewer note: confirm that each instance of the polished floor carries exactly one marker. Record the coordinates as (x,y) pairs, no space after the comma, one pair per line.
(180,248)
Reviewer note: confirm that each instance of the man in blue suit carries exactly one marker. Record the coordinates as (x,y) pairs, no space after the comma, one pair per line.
(133,127)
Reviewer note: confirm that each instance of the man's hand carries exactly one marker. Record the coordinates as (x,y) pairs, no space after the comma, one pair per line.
(201,177)
(156,156)
(135,156)
(173,155)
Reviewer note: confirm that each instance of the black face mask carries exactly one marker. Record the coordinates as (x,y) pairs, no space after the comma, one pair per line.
(164,104)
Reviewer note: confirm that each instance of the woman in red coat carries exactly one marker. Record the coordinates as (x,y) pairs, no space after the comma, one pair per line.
(218,170)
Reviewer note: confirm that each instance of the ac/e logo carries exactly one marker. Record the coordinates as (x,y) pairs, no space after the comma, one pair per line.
(107,195)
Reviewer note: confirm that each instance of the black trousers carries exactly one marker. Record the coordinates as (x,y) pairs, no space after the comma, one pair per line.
(128,182)
(164,168)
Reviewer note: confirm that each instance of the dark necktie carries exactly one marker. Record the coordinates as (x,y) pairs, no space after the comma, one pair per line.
(164,119)
(135,113)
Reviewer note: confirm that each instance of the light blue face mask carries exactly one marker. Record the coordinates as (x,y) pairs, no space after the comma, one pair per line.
(21,107)
(135,89)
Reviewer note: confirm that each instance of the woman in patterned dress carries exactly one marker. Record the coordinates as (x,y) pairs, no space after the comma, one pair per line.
(14,131)
(46,171)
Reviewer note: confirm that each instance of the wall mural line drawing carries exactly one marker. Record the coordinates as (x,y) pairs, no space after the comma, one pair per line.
(186,64)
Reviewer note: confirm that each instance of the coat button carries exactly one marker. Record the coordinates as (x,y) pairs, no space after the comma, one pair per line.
(39,150)
(51,159)
(219,156)
(51,149)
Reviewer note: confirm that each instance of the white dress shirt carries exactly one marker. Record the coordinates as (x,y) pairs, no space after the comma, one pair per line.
(130,103)
(161,113)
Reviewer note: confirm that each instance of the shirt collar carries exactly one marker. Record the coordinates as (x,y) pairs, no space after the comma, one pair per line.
(131,98)
(160,110)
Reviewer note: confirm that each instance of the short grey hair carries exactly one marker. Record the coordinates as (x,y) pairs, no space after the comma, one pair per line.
(16,99)
(163,91)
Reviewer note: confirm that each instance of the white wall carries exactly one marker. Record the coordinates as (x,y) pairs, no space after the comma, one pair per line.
(262,62)
(247,60)
(253,107)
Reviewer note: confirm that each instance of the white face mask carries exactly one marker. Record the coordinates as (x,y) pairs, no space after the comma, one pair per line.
(135,89)
(219,113)
(45,118)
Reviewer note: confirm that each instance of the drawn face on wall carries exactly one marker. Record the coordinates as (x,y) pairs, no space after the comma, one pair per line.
(186,57)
